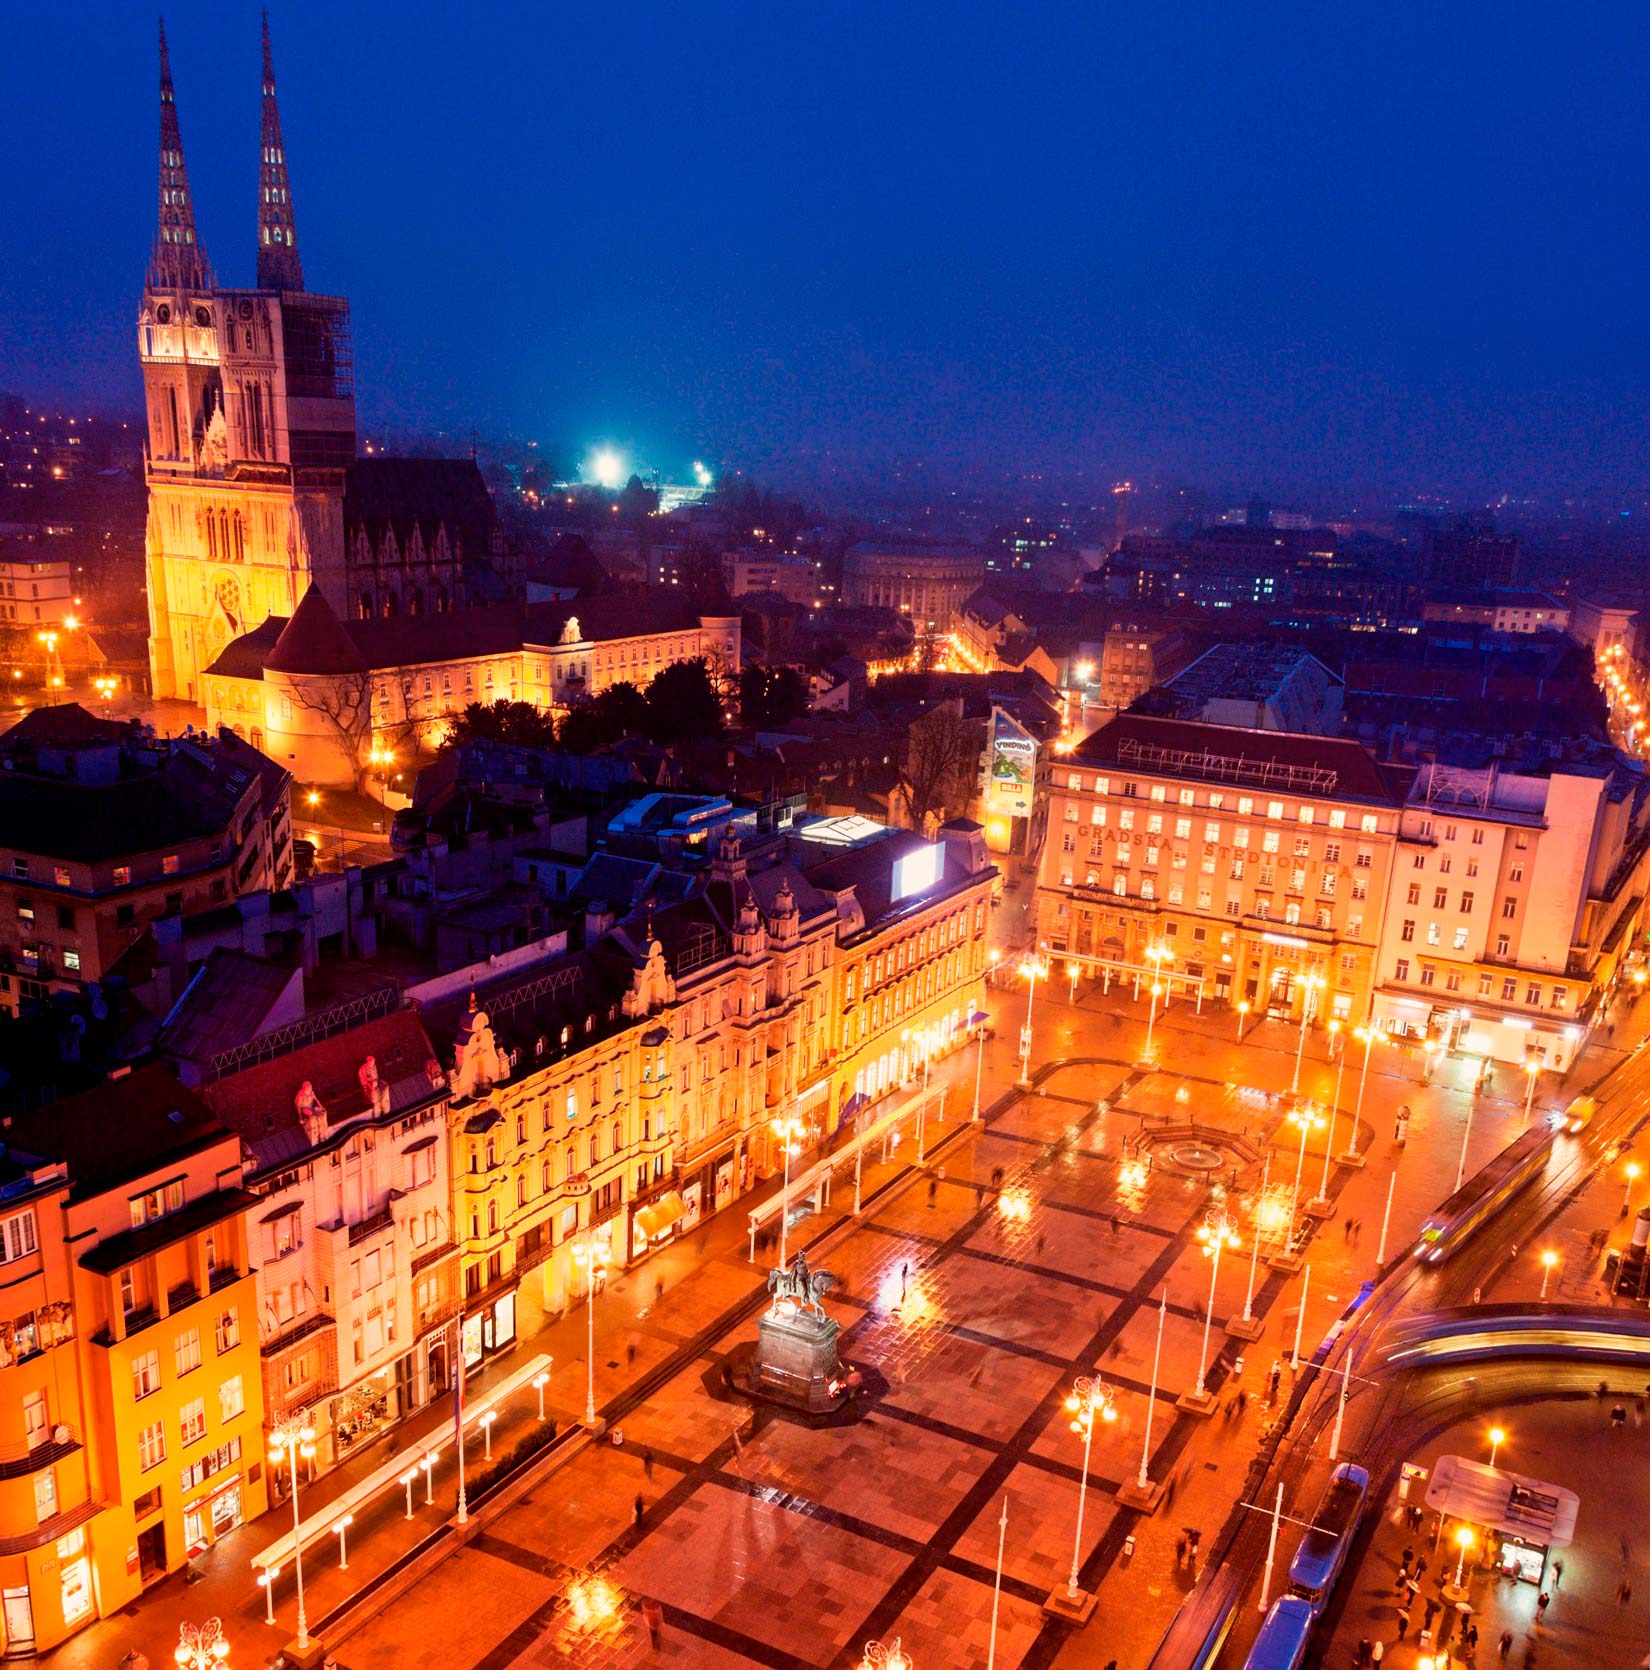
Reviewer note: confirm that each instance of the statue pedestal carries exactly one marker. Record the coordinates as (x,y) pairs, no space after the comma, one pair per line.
(796,1360)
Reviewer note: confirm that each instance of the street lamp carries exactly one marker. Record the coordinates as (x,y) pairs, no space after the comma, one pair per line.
(1322,1201)
(1243,1014)
(342,1528)
(1633,1169)
(1367,1036)
(1464,1539)
(1311,984)
(1033,969)
(1532,1071)
(789,1131)
(891,1656)
(1497,1438)
(1429,1059)
(1306,1117)
(594,1260)
(1548,1260)
(409,1479)
(487,1434)
(1215,1232)
(540,1381)
(1156,955)
(201,1647)
(293,1438)
(1088,1398)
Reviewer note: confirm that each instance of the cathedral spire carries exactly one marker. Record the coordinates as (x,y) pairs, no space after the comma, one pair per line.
(278,265)
(179,262)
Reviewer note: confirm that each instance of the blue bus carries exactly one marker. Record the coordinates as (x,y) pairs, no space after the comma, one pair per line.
(1322,1553)
(1281,1644)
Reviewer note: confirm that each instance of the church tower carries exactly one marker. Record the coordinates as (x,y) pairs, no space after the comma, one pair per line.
(251,421)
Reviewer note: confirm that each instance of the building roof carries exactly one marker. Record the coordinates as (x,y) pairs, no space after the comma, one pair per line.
(65,725)
(314,641)
(227,1002)
(419,640)
(867,871)
(259,1104)
(1237,756)
(186,798)
(128,1128)
(244,657)
(603,619)
(427,493)
(1251,671)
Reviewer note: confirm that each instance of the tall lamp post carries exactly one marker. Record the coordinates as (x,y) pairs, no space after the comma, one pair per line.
(1548,1260)
(1632,1175)
(1088,1398)
(1321,1203)
(1248,1327)
(1532,1071)
(1216,1232)
(1243,1012)
(788,1131)
(1033,969)
(1306,1117)
(1366,1035)
(1311,984)
(293,1438)
(594,1261)
(1156,955)
(1497,1439)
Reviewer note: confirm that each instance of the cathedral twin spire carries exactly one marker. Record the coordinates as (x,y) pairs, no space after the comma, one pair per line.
(179,261)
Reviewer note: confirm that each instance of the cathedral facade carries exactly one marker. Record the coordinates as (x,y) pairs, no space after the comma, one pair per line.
(251,437)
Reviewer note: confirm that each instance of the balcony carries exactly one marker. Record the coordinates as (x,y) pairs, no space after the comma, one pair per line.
(294,1333)
(19,1464)
(368,1227)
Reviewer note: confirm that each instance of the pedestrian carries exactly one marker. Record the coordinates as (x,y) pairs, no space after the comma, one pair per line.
(1558,1572)
(1421,1566)
(653,1617)
(1471,1638)
(1618,1416)
(1409,1555)
(1242,1402)
(1180,1549)
(1543,1601)
(1504,1646)
(1401,1583)
(1194,1537)
(641,1508)
(658,1290)
(1624,1593)
(727,1377)
(630,1352)
(1114,1226)
(1168,1490)
(1403,1622)
(1274,1377)
(647,1461)
(1363,1654)
(1433,1609)
(933,1189)
(1346,1230)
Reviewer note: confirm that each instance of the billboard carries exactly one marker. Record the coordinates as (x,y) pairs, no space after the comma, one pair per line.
(918,870)
(1012,767)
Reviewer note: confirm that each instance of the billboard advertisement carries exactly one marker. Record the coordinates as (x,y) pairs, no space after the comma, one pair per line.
(1012,768)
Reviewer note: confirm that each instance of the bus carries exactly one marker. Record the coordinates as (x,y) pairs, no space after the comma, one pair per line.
(1322,1553)
(1281,1644)
(1486,1191)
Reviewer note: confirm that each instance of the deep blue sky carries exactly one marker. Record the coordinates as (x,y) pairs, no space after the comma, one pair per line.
(1319,248)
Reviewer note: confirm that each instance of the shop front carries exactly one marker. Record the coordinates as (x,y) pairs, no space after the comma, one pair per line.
(1520,1522)
(656,1222)
(491,1329)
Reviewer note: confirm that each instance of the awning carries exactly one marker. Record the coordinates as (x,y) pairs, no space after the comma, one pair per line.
(977,1016)
(654,1220)
(1515,1506)
(851,1109)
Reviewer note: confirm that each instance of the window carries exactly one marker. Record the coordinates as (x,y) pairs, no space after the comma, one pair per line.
(60,874)
(1459,942)
(188,1350)
(1560,997)
(45,1493)
(1332,852)
(1274,808)
(1440,898)
(17,1236)
(231,1398)
(1427,973)
(1354,926)
(1452,980)
(1307,814)
(1400,970)
(169,864)
(1516,873)
(1486,985)
(1420,861)
(1367,823)
(1433,935)
(1337,818)
(1246,805)
(145,1208)
(36,1419)
(227,1330)
(1408,930)
(1509,989)
(1445,864)
(1509,907)
(152,1446)
(1466,903)
(1360,887)
(1478,837)
(1269,841)
(1503,946)
(1532,994)
(145,1375)
(192,1422)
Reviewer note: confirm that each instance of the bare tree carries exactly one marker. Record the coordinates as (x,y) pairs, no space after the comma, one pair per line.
(343,703)
(942,760)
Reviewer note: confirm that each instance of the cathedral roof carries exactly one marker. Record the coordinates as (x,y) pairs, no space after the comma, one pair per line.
(244,657)
(403,493)
(314,641)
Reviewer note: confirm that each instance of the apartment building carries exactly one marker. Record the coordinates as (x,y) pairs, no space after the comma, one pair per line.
(1515,895)
(908,971)
(1260,861)
(357,1286)
(130,1401)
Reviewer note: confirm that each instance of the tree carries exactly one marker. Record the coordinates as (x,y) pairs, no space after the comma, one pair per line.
(942,761)
(519,723)
(770,697)
(620,710)
(683,704)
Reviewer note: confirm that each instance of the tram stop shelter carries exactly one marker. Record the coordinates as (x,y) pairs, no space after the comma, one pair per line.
(1525,1519)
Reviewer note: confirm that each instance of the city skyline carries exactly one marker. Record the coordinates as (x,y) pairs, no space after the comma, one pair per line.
(818,261)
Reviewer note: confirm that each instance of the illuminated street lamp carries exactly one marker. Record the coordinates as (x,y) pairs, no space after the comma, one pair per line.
(1368,1036)
(540,1381)
(1305,1116)
(1215,1232)
(1464,1539)
(594,1260)
(1088,1398)
(1311,985)
(1497,1438)
(1548,1260)
(487,1434)
(293,1438)
(1243,1015)
(1429,1059)
(789,1131)
(409,1479)
(1532,1071)
(1034,969)
(1156,955)
(341,1526)
(1632,1170)
(201,1647)
(889,1656)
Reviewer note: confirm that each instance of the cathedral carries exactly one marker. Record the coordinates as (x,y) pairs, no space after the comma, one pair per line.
(255,490)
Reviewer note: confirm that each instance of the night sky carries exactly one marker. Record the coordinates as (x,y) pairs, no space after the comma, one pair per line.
(1317,249)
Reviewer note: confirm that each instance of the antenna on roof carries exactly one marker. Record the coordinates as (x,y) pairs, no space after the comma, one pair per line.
(472,443)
